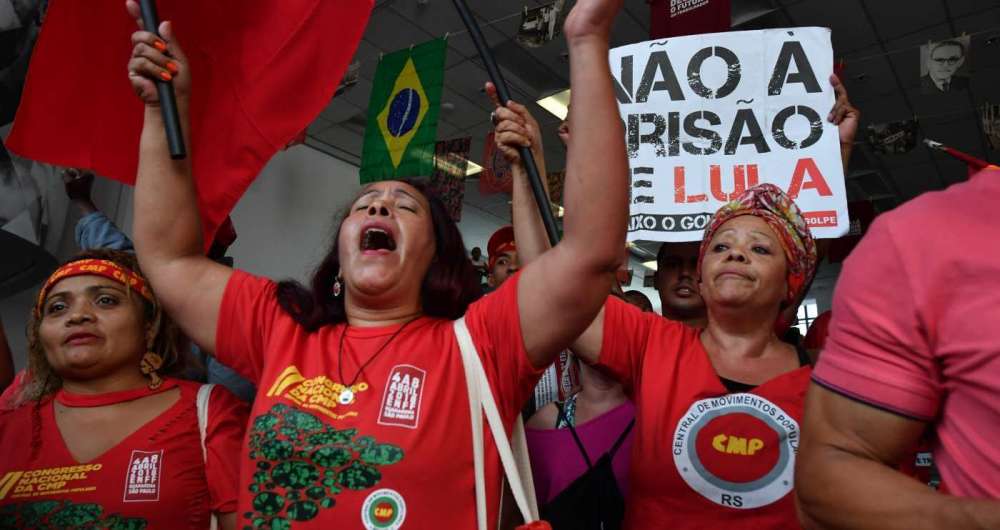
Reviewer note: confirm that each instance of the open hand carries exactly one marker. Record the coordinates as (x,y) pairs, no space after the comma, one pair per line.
(156,59)
(514,127)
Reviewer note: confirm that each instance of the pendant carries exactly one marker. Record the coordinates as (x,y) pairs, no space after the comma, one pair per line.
(346,396)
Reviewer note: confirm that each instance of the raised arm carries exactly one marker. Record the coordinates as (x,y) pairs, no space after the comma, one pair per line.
(516,127)
(845,476)
(562,291)
(167,228)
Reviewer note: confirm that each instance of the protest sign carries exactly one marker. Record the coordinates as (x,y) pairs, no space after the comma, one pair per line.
(707,116)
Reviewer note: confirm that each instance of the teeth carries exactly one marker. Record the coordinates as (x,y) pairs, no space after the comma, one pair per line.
(377,239)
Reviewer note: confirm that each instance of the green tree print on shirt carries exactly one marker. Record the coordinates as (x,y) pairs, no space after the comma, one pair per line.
(303,463)
(64,515)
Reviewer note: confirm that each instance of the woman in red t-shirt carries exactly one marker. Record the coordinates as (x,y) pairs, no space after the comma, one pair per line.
(717,409)
(362,414)
(103,436)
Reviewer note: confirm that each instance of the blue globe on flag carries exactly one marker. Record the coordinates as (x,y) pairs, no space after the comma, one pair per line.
(403,112)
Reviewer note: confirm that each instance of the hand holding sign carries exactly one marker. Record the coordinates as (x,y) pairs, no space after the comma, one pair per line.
(844,115)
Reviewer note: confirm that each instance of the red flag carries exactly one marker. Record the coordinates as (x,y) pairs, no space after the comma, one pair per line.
(496,175)
(676,18)
(975,165)
(262,71)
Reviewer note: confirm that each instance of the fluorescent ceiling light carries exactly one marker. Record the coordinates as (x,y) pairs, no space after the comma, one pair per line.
(651,265)
(557,104)
(449,164)
(472,168)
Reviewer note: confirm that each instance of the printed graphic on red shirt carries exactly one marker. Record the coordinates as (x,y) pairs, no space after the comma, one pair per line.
(143,480)
(383,509)
(65,515)
(737,450)
(303,464)
(316,393)
(49,481)
(401,401)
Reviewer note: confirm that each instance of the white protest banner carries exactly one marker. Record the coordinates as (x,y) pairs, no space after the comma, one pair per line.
(707,116)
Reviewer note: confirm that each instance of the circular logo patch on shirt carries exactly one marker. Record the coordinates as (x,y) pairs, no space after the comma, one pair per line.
(737,450)
(384,509)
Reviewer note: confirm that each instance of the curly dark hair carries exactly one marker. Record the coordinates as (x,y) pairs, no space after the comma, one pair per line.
(168,341)
(450,285)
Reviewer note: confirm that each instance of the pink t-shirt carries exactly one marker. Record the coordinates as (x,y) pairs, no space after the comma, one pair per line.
(916,326)
(556,460)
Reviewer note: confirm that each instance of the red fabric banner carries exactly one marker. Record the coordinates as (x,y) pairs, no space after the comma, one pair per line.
(262,71)
(676,18)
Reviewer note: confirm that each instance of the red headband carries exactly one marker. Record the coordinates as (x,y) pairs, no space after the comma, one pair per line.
(498,251)
(95,267)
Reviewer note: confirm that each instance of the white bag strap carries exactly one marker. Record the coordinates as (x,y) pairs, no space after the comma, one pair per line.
(515,462)
(201,404)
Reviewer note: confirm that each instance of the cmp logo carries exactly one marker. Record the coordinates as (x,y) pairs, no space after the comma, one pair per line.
(384,509)
(737,450)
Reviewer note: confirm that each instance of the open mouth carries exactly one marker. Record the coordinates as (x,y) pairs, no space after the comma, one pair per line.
(684,290)
(377,239)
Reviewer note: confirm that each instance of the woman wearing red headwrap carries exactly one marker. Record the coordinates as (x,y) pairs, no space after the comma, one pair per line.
(717,409)
(103,436)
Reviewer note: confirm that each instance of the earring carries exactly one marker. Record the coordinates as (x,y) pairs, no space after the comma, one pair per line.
(150,363)
(338,286)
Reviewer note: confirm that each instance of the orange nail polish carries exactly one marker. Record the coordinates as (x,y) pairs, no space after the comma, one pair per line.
(172,66)
(160,45)
(165,76)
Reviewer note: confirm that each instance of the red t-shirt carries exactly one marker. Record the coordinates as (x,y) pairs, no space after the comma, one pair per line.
(157,477)
(915,326)
(10,393)
(702,457)
(401,450)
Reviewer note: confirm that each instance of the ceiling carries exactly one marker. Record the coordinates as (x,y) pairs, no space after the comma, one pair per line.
(877,39)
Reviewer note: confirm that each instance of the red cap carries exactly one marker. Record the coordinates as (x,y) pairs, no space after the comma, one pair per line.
(501,241)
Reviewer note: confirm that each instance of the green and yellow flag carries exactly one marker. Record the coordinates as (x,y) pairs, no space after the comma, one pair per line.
(403,113)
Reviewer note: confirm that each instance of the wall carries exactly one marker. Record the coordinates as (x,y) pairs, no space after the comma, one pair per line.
(283,222)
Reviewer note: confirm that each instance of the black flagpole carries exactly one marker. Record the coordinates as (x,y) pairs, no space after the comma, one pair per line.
(526,157)
(168,103)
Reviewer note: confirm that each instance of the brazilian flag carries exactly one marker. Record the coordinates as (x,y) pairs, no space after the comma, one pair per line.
(403,113)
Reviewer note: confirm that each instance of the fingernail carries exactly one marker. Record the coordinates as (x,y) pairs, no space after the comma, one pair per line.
(165,76)
(172,66)
(160,45)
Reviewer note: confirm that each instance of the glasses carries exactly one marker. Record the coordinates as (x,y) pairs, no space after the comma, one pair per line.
(947,60)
